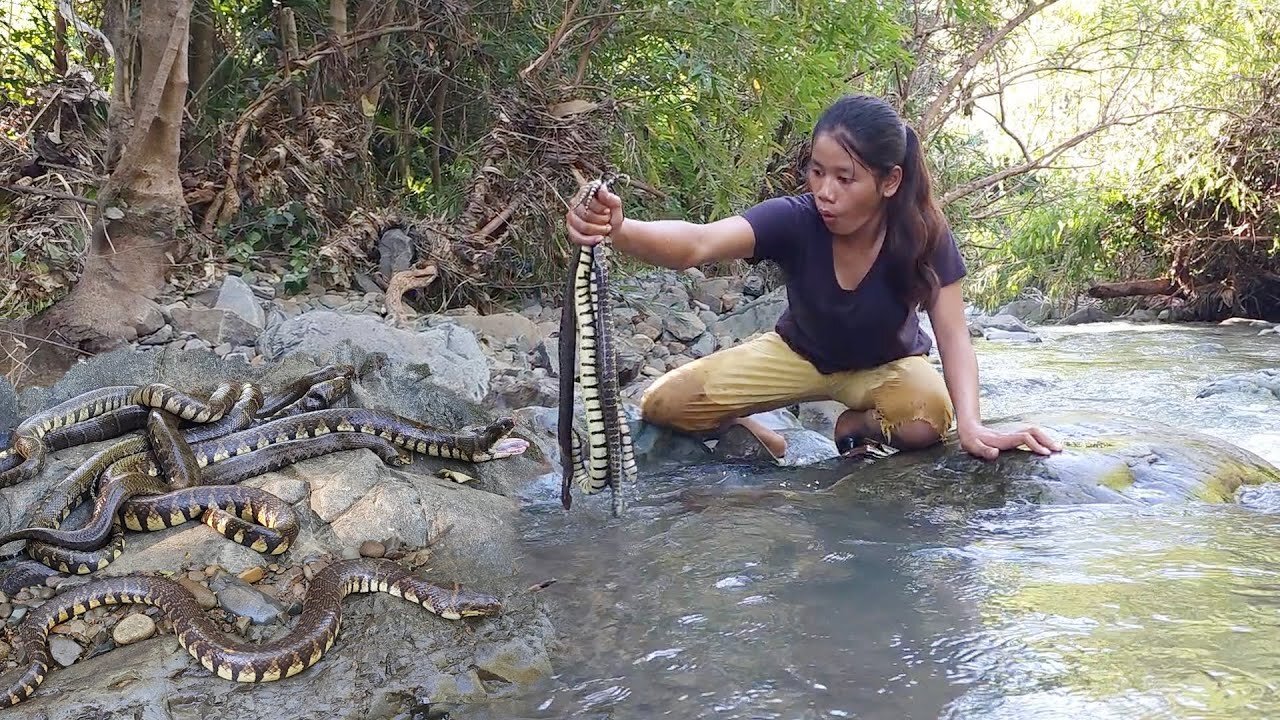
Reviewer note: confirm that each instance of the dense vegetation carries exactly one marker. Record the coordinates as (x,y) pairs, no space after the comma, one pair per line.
(1072,144)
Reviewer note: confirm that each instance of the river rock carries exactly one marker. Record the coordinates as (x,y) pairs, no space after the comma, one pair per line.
(1105,459)
(1030,311)
(1264,383)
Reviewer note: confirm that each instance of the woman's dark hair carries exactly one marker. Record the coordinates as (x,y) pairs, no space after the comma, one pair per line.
(870,129)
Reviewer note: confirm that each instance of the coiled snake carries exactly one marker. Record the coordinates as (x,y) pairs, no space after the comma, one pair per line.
(587,353)
(313,634)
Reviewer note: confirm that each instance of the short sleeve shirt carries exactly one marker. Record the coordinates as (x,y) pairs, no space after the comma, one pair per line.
(834,328)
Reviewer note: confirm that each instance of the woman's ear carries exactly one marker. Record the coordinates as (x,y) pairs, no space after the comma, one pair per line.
(891,182)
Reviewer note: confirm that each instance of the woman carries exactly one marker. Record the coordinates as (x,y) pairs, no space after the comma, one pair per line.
(862,251)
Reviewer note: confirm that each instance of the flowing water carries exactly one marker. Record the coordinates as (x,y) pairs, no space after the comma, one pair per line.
(709,601)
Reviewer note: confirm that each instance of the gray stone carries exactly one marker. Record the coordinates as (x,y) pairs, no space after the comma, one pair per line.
(759,315)
(500,328)
(395,252)
(998,335)
(684,325)
(159,337)
(1089,314)
(1264,383)
(215,325)
(448,354)
(1033,312)
(236,596)
(236,296)
(65,651)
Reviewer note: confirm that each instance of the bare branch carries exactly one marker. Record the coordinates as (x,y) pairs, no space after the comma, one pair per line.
(929,119)
(966,189)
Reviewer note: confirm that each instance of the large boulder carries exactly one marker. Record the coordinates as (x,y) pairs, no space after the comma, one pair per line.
(449,354)
(1105,458)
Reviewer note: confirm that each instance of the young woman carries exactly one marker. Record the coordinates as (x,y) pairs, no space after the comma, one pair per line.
(862,251)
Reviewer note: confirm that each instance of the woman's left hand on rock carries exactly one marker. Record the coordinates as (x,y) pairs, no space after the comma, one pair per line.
(984,442)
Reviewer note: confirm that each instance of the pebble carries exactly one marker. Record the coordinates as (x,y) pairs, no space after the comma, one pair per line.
(134,628)
(372,549)
(18,614)
(5,610)
(65,651)
(74,626)
(3,597)
(350,553)
(253,574)
(5,649)
(204,596)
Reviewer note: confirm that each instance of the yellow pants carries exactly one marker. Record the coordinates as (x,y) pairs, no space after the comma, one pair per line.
(765,373)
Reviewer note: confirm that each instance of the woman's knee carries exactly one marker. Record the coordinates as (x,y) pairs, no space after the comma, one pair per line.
(912,407)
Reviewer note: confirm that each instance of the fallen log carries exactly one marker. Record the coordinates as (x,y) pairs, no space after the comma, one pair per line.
(1131,288)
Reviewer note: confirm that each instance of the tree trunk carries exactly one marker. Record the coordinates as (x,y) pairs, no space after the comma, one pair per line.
(1131,288)
(200,60)
(141,208)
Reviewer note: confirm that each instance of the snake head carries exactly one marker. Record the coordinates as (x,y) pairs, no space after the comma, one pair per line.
(468,603)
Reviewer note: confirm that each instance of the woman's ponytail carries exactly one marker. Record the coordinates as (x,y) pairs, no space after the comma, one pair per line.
(915,224)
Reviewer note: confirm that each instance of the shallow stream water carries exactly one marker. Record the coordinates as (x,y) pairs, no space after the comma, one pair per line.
(708,601)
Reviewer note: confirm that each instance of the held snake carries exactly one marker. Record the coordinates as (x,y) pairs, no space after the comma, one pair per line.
(587,354)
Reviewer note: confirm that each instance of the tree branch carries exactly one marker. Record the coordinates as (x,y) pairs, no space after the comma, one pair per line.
(966,189)
(930,117)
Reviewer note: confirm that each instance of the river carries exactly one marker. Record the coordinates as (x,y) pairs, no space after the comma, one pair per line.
(706,603)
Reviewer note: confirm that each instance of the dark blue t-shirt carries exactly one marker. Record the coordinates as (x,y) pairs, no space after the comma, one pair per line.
(833,328)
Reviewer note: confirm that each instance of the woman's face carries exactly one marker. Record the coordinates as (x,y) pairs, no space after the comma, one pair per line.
(846,190)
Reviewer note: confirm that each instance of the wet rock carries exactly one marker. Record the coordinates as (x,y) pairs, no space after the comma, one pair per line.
(1259,383)
(1090,314)
(1246,322)
(1106,458)
(515,661)
(998,335)
(1029,311)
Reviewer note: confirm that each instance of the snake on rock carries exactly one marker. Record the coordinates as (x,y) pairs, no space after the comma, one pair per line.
(588,354)
(173,465)
(26,458)
(314,633)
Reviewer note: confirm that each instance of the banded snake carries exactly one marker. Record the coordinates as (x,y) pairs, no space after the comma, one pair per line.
(587,353)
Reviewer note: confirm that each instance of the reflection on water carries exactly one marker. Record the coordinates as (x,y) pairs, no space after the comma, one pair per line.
(714,599)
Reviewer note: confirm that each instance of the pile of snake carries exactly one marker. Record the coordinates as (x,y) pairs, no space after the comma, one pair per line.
(589,356)
(170,474)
